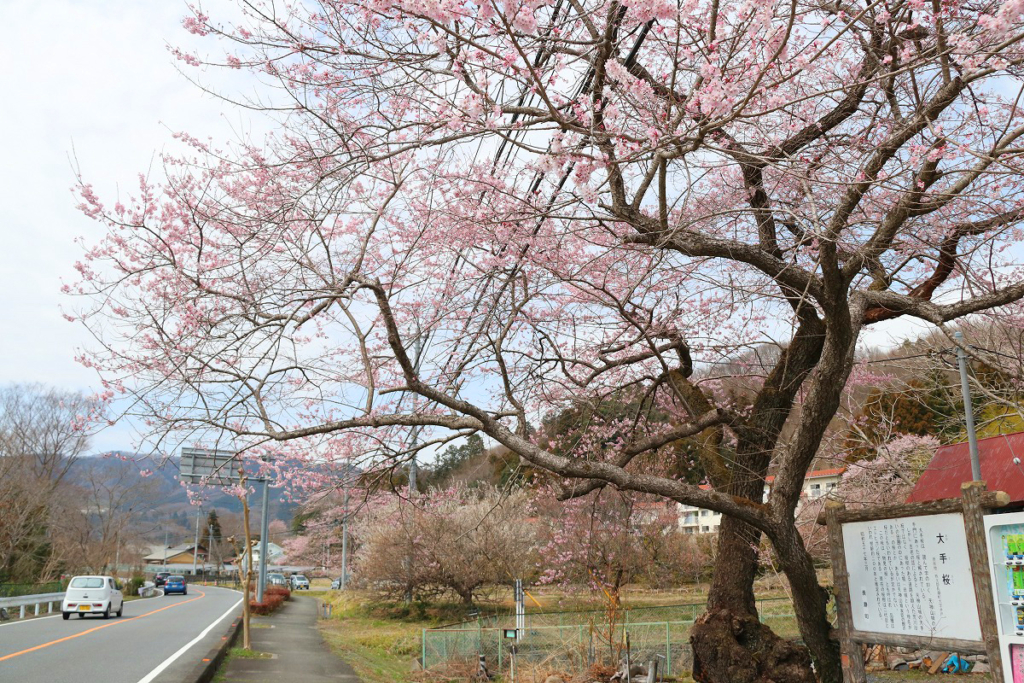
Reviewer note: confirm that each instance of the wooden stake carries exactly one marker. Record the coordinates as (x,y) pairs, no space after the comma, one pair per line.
(852,657)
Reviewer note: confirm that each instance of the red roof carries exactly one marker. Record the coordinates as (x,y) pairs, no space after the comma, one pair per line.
(951,466)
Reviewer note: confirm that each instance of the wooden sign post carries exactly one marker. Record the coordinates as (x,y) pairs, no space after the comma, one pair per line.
(906,581)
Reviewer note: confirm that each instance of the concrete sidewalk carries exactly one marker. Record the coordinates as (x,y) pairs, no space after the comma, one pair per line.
(301,656)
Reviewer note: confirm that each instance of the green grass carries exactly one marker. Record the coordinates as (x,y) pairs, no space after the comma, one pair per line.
(236,653)
(382,640)
(379,641)
(242,653)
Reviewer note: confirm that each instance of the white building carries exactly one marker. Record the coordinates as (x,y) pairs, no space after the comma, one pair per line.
(819,483)
(274,552)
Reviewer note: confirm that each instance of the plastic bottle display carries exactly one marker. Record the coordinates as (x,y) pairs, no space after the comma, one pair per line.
(1006,544)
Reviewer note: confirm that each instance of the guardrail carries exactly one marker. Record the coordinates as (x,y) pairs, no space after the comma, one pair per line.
(149,590)
(22,602)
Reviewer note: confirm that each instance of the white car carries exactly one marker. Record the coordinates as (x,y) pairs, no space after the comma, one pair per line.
(299,581)
(92,595)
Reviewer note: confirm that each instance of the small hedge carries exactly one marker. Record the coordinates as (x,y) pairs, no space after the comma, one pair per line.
(278,590)
(268,606)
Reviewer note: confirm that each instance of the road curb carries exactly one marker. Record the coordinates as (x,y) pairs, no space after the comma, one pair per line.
(205,670)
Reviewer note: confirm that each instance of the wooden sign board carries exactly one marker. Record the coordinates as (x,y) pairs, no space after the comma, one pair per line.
(895,585)
(912,576)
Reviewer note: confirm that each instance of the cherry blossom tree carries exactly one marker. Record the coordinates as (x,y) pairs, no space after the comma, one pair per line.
(473,212)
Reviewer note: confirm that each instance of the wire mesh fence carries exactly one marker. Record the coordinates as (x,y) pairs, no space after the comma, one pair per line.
(572,642)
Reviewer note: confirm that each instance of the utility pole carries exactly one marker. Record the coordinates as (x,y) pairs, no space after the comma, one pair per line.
(209,550)
(344,542)
(412,493)
(965,388)
(195,548)
(165,547)
(413,465)
(261,582)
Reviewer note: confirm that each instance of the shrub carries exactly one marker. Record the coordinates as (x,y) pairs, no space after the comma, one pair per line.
(132,585)
(268,606)
(278,590)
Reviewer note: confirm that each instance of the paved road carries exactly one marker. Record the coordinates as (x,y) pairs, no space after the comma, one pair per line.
(158,640)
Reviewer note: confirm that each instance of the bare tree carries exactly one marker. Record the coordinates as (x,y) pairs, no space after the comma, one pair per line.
(456,540)
(43,432)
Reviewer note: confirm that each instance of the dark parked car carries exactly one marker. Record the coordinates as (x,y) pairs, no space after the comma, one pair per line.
(160,578)
(175,584)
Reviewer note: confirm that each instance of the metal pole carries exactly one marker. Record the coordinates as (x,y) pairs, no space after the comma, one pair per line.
(412,492)
(209,550)
(165,547)
(344,543)
(965,387)
(414,467)
(195,548)
(264,532)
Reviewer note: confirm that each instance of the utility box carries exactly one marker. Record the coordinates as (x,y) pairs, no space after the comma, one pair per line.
(1005,535)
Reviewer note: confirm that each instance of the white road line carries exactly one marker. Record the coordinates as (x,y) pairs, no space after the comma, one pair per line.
(170,660)
(29,620)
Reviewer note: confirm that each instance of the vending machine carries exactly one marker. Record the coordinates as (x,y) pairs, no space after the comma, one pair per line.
(1006,560)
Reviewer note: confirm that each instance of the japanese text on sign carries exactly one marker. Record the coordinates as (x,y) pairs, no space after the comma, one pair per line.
(912,576)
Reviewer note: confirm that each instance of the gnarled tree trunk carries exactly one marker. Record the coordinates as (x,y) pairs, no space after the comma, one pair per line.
(730,644)
(810,601)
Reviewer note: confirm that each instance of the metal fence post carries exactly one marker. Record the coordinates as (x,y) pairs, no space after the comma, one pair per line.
(21,612)
(424,649)
(668,649)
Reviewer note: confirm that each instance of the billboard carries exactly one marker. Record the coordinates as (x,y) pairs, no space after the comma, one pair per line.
(215,468)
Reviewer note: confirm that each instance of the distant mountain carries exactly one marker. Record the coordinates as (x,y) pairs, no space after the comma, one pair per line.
(170,506)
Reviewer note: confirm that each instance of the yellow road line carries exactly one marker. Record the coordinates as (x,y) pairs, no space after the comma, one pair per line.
(97,628)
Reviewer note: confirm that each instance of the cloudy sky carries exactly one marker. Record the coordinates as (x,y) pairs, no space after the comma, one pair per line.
(90,80)
(88,83)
